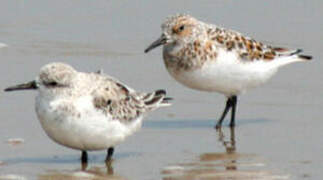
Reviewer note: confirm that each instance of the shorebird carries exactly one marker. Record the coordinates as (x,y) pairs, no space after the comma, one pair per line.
(88,111)
(210,58)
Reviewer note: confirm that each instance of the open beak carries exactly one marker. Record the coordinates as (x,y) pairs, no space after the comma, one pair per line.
(161,41)
(25,86)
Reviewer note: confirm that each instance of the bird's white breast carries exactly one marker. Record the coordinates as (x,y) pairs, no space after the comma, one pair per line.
(77,124)
(226,74)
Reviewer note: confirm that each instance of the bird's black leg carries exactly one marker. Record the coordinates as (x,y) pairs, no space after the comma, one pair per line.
(226,109)
(84,157)
(109,155)
(234,100)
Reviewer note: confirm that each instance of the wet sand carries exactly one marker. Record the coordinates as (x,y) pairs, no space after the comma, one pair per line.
(278,133)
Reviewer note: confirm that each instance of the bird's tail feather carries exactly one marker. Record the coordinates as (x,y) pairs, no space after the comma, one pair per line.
(157,99)
(297,53)
(304,57)
(284,52)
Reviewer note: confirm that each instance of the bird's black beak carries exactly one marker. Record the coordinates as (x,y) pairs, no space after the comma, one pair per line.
(25,86)
(161,41)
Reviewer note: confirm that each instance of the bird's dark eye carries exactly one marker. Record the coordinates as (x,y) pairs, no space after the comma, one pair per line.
(53,83)
(181,28)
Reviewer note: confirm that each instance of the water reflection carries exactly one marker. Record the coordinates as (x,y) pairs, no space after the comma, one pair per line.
(229,164)
(230,147)
(70,167)
(109,167)
(94,172)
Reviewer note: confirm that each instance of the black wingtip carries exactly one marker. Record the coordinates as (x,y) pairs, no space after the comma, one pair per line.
(305,57)
(160,92)
(301,56)
(297,52)
(168,99)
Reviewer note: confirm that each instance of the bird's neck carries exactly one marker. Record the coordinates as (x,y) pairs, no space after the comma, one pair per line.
(187,56)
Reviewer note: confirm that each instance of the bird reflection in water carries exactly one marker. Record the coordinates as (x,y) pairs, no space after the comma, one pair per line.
(94,172)
(220,165)
(227,159)
(108,165)
(230,147)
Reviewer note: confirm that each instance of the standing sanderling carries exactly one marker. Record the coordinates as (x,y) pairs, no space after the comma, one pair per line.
(210,58)
(88,111)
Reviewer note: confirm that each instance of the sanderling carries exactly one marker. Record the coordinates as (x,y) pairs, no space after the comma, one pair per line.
(210,58)
(88,111)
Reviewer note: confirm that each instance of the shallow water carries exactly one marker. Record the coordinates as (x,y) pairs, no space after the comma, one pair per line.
(278,133)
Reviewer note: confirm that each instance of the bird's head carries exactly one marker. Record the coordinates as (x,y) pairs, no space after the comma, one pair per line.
(52,77)
(177,30)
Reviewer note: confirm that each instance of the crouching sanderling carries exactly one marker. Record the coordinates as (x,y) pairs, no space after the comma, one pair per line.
(88,111)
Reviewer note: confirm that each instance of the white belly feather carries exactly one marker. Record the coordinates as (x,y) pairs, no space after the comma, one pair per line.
(85,128)
(229,75)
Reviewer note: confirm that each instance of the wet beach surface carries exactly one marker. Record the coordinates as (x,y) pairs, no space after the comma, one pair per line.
(279,125)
